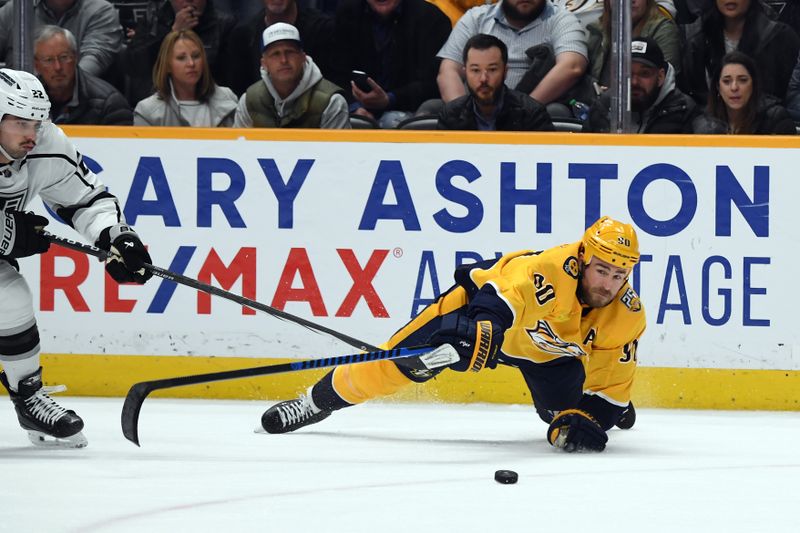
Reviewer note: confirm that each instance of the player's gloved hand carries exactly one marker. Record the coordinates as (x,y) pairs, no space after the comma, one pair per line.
(477,342)
(21,236)
(126,264)
(574,430)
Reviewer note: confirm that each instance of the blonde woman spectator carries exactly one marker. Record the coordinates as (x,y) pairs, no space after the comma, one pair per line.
(186,94)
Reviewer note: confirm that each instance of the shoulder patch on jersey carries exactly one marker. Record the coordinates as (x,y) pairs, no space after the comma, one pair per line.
(571,267)
(631,300)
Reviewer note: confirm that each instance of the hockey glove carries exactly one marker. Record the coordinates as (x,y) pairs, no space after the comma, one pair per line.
(21,235)
(126,264)
(574,430)
(477,342)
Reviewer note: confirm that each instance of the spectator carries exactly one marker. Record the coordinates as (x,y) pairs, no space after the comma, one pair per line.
(742,25)
(213,28)
(94,23)
(131,11)
(647,20)
(454,9)
(395,43)
(737,104)
(657,105)
(292,92)
(490,105)
(186,94)
(76,97)
(521,25)
(793,92)
(244,52)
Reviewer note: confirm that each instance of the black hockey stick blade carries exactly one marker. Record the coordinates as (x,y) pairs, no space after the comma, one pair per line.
(430,356)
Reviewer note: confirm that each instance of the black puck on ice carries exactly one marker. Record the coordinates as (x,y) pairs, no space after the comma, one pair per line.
(506,477)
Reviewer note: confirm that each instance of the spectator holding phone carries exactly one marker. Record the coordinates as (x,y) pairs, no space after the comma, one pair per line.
(394,42)
(291,92)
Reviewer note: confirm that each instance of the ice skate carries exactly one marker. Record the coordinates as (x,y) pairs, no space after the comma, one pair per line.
(290,415)
(47,423)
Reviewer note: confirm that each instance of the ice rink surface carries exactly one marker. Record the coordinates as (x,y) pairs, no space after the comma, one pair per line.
(401,468)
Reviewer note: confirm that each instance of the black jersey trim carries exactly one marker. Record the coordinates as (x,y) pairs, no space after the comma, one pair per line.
(53,156)
(67,213)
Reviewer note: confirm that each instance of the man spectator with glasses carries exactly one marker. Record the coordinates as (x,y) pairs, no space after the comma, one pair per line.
(76,96)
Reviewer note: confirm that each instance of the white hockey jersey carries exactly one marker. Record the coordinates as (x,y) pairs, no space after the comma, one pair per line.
(55,171)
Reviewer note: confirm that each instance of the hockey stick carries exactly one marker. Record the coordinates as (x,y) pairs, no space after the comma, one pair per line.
(210,289)
(437,356)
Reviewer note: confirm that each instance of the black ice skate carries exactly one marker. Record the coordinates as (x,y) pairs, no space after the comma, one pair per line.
(47,423)
(287,416)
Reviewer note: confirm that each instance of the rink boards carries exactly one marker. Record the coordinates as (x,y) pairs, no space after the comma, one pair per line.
(359,230)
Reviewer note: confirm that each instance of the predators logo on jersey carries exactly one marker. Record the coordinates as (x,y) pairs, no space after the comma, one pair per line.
(547,341)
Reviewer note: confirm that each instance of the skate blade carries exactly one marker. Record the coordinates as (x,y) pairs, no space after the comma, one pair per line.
(43,440)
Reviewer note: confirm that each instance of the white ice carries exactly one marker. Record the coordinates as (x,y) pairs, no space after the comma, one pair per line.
(400,468)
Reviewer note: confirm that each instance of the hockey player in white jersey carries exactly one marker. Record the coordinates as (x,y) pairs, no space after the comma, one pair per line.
(36,158)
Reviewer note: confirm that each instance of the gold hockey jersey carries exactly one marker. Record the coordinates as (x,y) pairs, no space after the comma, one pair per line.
(548,321)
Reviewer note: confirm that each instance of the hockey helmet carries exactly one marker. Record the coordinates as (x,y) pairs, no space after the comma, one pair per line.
(612,241)
(22,95)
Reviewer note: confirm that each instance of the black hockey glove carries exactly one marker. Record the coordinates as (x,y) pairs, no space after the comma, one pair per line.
(21,235)
(126,264)
(574,430)
(477,342)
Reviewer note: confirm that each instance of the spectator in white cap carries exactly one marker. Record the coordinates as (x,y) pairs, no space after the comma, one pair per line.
(292,92)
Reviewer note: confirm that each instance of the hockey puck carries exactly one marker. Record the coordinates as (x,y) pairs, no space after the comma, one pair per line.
(506,477)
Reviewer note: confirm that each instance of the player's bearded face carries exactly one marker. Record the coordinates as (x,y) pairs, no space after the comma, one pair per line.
(601,282)
(18,135)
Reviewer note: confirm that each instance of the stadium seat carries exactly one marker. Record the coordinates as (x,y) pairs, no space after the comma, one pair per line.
(360,122)
(565,124)
(420,122)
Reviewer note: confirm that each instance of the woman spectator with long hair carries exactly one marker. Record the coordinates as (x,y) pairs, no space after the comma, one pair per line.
(742,25)
(185,92)
(738,105)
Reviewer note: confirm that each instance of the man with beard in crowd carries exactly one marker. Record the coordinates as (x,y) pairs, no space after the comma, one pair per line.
(657,105)
(524,26)
(489,104)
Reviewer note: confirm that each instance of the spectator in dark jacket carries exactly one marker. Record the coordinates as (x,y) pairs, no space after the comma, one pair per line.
(244,52)
(489,104)
(737,105)
(213,28)
(793,93)
(657,105)
(395,42)
(76,97)
(742,25)
(94,23)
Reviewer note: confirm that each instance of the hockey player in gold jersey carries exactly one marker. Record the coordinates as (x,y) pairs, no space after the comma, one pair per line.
(566,317)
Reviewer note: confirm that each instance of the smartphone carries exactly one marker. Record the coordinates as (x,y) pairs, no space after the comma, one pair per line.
(360,79)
